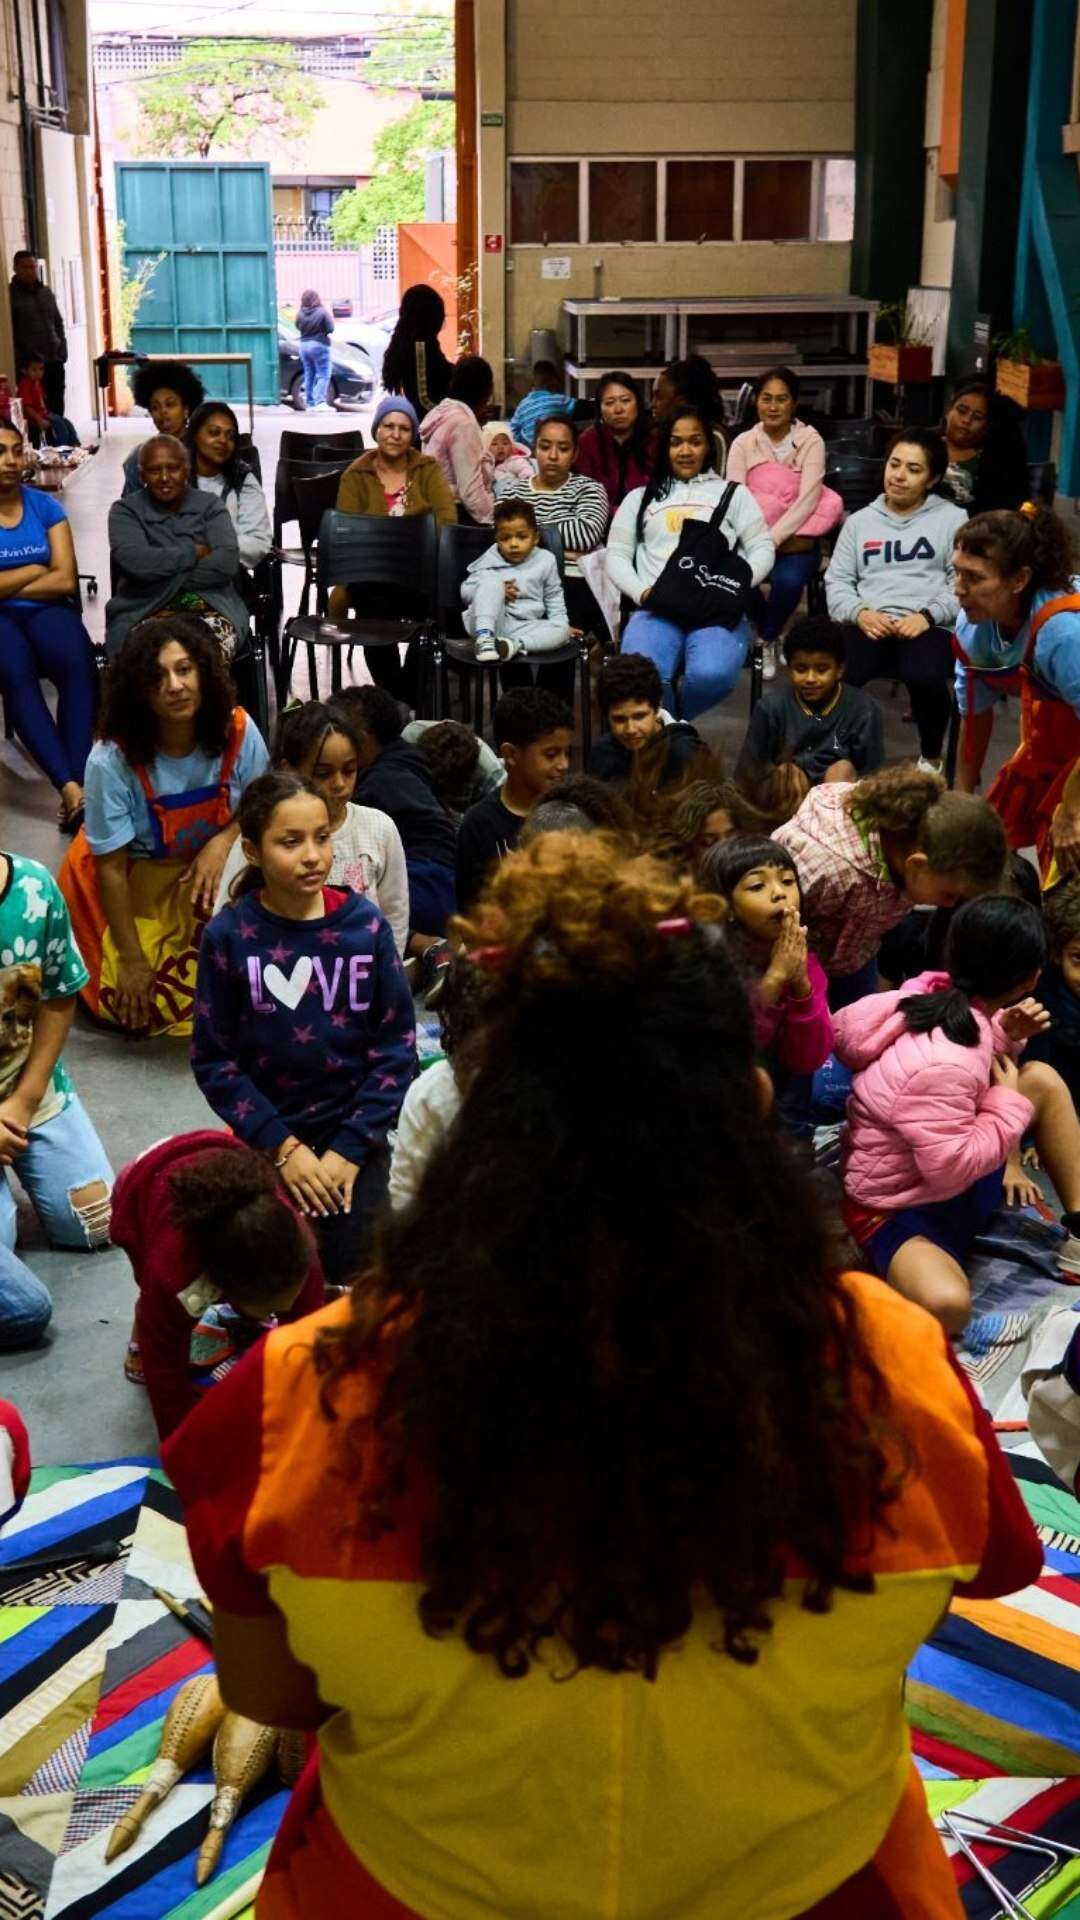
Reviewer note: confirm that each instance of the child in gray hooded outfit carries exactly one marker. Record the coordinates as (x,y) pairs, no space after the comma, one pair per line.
(512,595)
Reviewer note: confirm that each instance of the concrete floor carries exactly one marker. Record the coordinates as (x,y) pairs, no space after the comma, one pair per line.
(71,1389)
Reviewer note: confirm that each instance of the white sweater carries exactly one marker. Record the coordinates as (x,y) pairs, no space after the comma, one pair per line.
(248,512)
(368,858)
(430,1108)
(632,566)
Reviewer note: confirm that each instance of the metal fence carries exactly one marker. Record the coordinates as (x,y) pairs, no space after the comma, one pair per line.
(366,276)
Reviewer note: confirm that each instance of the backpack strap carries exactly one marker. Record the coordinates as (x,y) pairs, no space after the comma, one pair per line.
(718,517)
(1065,603)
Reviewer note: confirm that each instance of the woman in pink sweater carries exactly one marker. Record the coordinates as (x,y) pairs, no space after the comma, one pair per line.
(782,461)
(938,1105)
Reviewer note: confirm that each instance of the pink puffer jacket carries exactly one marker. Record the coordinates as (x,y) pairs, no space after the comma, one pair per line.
(924,1118)
(776,489)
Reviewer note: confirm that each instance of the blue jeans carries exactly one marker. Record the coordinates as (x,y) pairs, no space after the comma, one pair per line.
(709,657)
(25,1305)
(790,573)
(315,360)
(62,1155)
(49,643)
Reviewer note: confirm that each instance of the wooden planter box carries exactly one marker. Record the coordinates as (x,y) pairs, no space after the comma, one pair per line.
(1040,389)
(901,366)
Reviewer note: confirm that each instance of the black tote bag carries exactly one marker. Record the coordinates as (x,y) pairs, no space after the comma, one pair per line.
(706,582)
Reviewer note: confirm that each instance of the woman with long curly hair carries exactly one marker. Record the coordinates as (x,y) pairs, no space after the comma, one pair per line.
(602,1412)
(163,781)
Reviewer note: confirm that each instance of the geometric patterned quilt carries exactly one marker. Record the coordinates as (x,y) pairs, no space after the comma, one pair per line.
(89,1662)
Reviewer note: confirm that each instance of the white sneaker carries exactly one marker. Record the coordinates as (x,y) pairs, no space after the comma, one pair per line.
(486,651)
(930,766)
(769,659)
(508,648)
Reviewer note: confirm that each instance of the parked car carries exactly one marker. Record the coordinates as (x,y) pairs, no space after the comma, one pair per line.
(370,337)
(351,374)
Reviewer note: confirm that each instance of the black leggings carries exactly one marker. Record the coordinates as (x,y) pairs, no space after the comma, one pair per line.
(925,665)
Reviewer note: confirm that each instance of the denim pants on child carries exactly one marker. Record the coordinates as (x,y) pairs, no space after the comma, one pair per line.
(61,1156)
(773,610)
(709,657)
(490,610)
(25,1304)
(315,360)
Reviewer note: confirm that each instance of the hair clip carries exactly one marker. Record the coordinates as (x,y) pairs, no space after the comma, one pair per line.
(1029,509)
(672,929)
(491,959)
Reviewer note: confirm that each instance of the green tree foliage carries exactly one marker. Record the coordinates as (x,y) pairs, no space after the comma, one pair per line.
(418,54)
(225,94)
(395,193)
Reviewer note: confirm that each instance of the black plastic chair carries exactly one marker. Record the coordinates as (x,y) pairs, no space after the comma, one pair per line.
(287,475)
(320,446)
(856,477)
(312,495)
(458,548)
(358,550)
(865,436)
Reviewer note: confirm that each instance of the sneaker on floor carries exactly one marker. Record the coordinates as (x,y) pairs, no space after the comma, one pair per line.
(770,652)
(507,649)
(486,651)
(929,766)
(433,964)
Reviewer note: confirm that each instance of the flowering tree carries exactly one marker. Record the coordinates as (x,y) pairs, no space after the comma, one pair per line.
(225,93)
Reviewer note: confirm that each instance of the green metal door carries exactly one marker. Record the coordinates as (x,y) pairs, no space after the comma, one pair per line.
(209,225)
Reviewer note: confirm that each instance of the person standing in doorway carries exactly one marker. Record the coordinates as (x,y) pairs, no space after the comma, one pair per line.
(315,327)
(38,327)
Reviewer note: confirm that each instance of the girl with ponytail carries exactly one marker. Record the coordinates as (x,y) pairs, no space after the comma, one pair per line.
(206,1224)
(1019,631)
(938,1106)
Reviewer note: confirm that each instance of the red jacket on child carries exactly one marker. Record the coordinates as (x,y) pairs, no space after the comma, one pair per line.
(165,1265)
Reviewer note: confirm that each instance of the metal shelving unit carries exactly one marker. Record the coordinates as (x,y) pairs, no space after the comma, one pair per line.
(668,333)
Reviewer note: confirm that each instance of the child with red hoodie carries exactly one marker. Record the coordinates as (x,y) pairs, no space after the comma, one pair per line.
(207,1224)
(939,1107)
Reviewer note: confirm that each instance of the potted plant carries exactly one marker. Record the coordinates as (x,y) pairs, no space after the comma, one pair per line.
(902,351)
(1025,375)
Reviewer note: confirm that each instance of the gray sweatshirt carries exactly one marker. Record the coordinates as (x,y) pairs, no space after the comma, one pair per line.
(540,595)
(896,562)
(153,554)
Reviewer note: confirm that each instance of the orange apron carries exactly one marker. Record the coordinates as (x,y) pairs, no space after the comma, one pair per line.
(1027,790)
(169,928)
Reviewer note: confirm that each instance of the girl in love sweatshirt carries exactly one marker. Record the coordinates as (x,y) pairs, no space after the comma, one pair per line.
(304,1027)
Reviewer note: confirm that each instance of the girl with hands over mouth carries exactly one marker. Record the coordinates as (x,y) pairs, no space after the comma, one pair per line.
(758,882)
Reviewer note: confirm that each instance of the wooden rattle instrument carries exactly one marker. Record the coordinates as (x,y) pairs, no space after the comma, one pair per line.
(191,1723)
(243,1750)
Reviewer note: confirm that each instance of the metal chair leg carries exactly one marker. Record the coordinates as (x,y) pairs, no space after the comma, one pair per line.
(586,703)
(757,670)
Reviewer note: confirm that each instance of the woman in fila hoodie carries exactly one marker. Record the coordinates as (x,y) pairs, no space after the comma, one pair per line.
(890,582)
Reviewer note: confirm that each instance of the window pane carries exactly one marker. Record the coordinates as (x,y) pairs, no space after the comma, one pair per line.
(776,200)
(544,202)
(836,220)
(700,200)
(622,200)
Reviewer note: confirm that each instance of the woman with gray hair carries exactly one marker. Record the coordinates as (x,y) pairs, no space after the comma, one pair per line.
(174,550)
